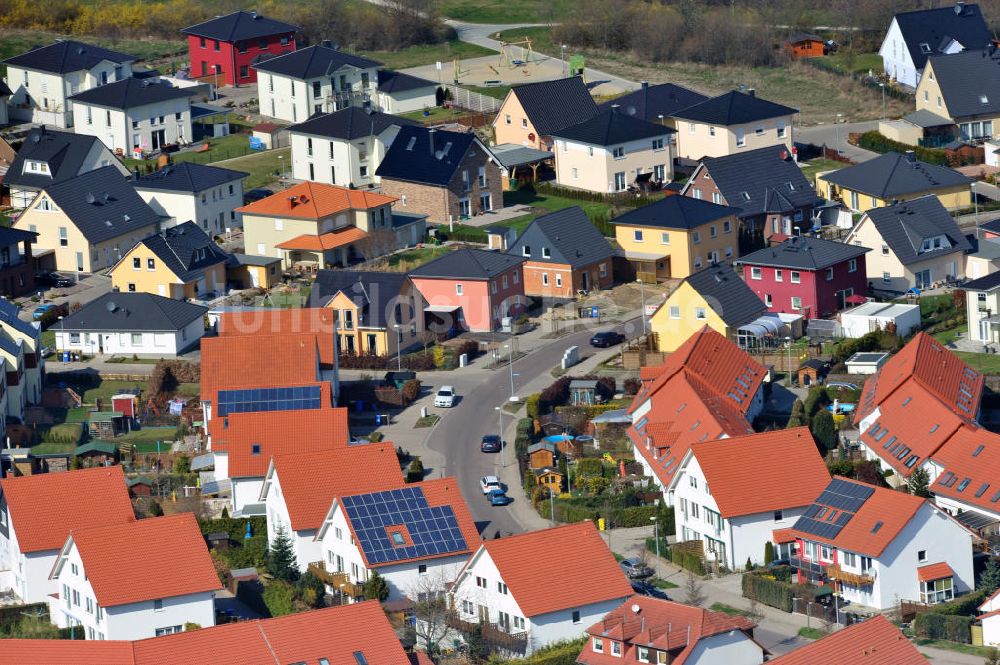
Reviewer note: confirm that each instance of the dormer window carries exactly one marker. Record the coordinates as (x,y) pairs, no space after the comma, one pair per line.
(546,254)
(925,47)
(983,99)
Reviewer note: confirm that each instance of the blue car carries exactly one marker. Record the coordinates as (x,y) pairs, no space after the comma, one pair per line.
(498,498)
(41,310)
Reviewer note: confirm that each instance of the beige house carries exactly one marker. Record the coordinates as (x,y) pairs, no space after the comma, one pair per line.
(963,88)
(982,302)
(89,221)
(611,151)
(531,112)
(731,123)
(915,244)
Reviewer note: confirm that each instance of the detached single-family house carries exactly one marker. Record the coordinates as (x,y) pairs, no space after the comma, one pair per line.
(403,93)
(507,583)
(315,79)
(915,244)
(206,195)
(715,297)
(223,50)
(564,254)
(134,115)
(959,88)
(982,308)
(470,289)
(808,276)
(892,178)
(655,103)
(676,236)
(611,151)
(531,112)
(344,147)
(139,324)
(38,512)
(90,220)
(43,79)
(47,156)
(881,643)
(915,36)
(171,585)
(731,123)
(444,175)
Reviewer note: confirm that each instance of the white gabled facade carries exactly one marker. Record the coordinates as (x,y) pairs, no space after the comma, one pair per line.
(213,209)
(991,620)
(304,543)
(896,60)
(149,126)
(97,157)
(295,99)
(339,161)
(24,573)
(42,97)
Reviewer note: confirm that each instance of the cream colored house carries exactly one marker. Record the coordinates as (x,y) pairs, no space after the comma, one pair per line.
(609,152)
(730,123)
(963,88)
(532,112)
(915,244)
(200,193)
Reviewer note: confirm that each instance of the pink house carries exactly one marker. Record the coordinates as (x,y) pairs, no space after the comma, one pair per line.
(470,289)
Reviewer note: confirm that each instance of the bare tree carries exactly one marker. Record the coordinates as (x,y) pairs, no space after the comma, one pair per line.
(694,592)
(431,612)
(378,242)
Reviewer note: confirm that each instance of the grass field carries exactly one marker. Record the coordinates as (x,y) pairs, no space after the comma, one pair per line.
(412,258)
(855,62)
(105,389)
(428,54)
(510,11)
(811,633)
(436,114)
(263,167)
(15,42)
(224,147)
(497,91)
(553,203)
(812,167)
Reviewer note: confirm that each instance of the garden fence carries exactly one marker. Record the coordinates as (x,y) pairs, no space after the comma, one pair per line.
(473,101)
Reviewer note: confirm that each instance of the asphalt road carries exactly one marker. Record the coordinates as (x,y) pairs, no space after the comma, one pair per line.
(458,435)
(835,136)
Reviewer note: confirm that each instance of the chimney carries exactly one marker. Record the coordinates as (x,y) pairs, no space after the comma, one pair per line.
(430,140)
(783,155)
(959,7)
(327,43)
(253,14)
(645,84)
(752,92)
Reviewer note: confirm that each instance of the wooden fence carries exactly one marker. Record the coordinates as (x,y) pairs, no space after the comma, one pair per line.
(473,101)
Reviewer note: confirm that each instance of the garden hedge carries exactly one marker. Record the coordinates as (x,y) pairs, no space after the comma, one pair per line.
(770,592)
(934,626)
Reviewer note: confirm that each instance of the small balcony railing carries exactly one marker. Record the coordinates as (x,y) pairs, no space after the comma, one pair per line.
(492,634)
(835,572)
(338,581)
(805,565)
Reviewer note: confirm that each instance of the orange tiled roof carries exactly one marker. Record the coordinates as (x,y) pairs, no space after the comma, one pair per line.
(934,571)
(593,576)
(258,361)
(310,481)
(44,508)
(325,241)
(284,321)
(782,536)
(173,559)
(873,642)
(971,461)
(68,652)
(294,431)
(785,465)
(315,200)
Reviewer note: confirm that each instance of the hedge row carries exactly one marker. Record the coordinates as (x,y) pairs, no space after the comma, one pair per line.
(623,198)
(967,605)
(936,626)
(236,528)
(561,653)
(685,560)
(770,592)
(876,142)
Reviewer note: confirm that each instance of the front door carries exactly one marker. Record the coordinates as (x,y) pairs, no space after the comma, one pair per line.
(984,331)
(586,281)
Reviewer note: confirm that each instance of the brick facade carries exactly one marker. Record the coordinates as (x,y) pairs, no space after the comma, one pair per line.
(563,280)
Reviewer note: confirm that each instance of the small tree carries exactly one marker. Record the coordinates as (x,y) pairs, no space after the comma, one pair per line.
(431,613)
(798,417)
(989,581)
(155,509)
(919,483)
(182,464)
(824,431)
(376,587)
(768,553)
(279,597)
(280,562)
(564,469)
(749,564)
(694,593)
(477,649)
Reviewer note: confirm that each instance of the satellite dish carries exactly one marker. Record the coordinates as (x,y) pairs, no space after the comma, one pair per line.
(90,198)
(111,306)
(635,608)
(630,110)
(439,154)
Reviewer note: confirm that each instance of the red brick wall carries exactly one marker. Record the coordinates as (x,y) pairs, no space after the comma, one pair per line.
(572,280)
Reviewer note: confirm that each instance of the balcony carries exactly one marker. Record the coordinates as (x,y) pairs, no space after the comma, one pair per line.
(338,581)
(492,633)
(806,566)
(835,572)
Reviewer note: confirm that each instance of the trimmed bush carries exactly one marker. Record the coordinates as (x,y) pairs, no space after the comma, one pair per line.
(770,592)
(634,516)
(934,626)
(590,466)
(876,142)
(279,597)
(964,606)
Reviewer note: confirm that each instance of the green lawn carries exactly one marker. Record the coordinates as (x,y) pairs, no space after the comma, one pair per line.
(728,609)
(105,389)
(663,584)
(51,448)
(49,338)
(224,147)
(412,258)
(77,415)
(436,114)
(189,389)
(147,438)
(821,164)
(552,203)
(811,633)
(855,62)
(982,652)
(19,41)
(949,336)
(263,167)
(540,36)
(290,299)
(496,91)
(510,11)
(985,363)
(428,54)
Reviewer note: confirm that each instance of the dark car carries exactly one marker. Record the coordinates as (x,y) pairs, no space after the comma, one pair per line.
(53,279)
(606,339)
(252,195)
(499,498)
(491,444)
(648,590)
(634,568)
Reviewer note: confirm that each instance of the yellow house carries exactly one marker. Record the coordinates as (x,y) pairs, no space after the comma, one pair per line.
(180,262)
(892,178)
(731,123)
(960,87)
(715,297)
(246,272)
(88,221)
(677,236)
(532,111)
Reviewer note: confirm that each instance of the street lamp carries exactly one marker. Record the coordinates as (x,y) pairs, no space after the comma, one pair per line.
(503,445)
(642,301)
(656,539)
(281,167)
(788,374)
(399,345)
(882,85)
(510,363)
(839,118)
(562,56)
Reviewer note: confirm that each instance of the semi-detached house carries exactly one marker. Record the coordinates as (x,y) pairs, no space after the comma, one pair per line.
(203,194)
(532,112)
(731,123)
(22,343)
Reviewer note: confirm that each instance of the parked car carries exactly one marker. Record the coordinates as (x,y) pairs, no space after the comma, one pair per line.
(53,279)
(491,443)
(252,195)
(445,397)
(634,568)
(648,590)
(606,339)
(498,498)
(489,484)
(42,310)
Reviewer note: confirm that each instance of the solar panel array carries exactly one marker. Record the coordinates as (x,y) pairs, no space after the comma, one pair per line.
(432,530)
(833,509)
(268,399)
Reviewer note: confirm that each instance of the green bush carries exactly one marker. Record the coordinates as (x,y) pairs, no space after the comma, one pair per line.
(634,516)
(687,561)
(964,606)
(770,592)
(279,597)
(560,653)
(236,528)
(590,466)
(531,405)
(876,142)
(415,472)
(934,626)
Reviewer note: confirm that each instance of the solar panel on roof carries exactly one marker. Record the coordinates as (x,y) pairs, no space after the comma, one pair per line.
(844,518)
(253,400)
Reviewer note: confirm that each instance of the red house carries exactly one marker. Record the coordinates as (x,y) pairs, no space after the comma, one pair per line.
(228,46)
(808,276)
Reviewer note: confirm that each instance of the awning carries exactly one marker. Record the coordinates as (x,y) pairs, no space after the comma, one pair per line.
(217,487)
(763,327)
(206,461)
(511,155)
(252,510)
(935,571)
(321,243)
(643,256)
(975,521)
(442,309)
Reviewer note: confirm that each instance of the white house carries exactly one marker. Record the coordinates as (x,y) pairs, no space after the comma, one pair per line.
(402,93)
(134,114)
(5,94)
(43,79)
(982,308)
(171,584)
(423,535)
(990,620)
(344,147)
(711,502)
(21,348)
(879,545)
(206,195)
(315,79)
(38,512)
(521,584)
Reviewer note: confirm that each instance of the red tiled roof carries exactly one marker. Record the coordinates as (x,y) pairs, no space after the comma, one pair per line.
(992,597)
(276,431)
(284,321)
(325,241)
(934,571)
(44,508)
(315,200)
(784,467)
(873,642)
(782,536)
(172,559)
(310,481)
(971,454)
(67,652)
(591,575)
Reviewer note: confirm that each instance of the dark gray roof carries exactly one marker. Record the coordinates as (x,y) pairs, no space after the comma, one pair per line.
(611,127)
(239,25)
(133,311)
(8,315)
(375,293)
(64,152)
(131,93)
(413,158)
(893,174)
(734,108)
(651,101)
(250,260)
(927,31)
(569,236)
(727,295)
(904,227)
(924,118)
(676,212)
(467,263)
(4,90)
(188,177)
(186,250)
(804,253)
(313,61)
(969,82)
(390,81)
(993,225)
(552,105)
(102,204)
(66,56)
(512,154)
(987,283)
(9,235)
(761,181)
(349,123)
